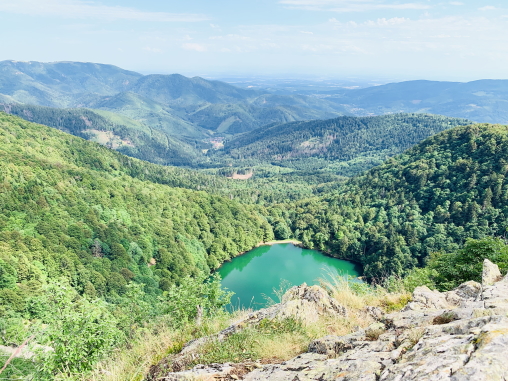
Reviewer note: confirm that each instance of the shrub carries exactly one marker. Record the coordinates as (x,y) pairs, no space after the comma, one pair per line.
(182,301)
(445,318)
(453,269)
(76,333)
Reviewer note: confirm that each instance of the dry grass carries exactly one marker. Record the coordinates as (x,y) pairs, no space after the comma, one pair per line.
(415,335)
(132,362)
(272,342)
(282,347)
(356,296)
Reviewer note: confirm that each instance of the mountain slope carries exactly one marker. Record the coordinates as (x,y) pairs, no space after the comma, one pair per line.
(145,110)
(177,105)
(54,84)
(429,199)
(112,130)
(74,209)
(357,142)
(481,101)
(238,118)
(220,107)
(181,91)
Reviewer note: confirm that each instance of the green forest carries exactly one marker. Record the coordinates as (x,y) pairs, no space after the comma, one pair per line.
(126,135)
(430,199)
(96,246)
(76,212)
(344,145)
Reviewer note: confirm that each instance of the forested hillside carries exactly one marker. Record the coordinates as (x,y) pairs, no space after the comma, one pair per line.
(74,209)
(427,200)
(347,145)
(115,131)
(57,84)
(95,244)
(149,112)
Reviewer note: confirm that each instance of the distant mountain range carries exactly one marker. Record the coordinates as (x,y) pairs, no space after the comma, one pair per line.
(173,103)
(172,119)
(482,101)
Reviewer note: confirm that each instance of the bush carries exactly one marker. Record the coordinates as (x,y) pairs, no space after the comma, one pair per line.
(415,277)
(75,333)
(183,300)
(453,269)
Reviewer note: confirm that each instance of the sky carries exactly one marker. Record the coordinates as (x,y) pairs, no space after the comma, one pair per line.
(403,39)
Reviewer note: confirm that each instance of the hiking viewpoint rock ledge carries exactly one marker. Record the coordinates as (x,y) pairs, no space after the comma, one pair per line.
(456,335)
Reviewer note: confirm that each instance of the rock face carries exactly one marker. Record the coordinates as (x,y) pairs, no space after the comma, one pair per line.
(458,335)
(305,303)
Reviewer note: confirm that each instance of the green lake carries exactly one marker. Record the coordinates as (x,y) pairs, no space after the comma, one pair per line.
(257,273)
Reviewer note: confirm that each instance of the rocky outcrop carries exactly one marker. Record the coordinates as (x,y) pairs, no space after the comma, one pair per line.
(305,303)
(490,273)
(457,335)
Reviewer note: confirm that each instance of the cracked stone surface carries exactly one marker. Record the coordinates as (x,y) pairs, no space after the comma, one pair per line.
(454,336)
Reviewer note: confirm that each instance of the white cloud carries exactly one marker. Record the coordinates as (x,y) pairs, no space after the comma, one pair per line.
(349,5)
(88,9)
(194,46)
(305,32)
(487,8)
(152,50)
(388,22)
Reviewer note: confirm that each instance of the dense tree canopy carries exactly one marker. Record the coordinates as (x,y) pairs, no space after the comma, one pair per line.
(429,199)
(70,208)
(344,145)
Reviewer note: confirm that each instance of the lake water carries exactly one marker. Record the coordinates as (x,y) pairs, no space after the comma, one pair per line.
(261,270)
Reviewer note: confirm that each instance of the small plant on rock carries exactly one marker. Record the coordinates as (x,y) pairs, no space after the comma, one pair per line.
(445,318)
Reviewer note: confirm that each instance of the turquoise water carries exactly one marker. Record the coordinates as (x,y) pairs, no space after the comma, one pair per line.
(257,273)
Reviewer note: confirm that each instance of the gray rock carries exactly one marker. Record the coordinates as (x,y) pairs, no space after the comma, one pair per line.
(488,361)
(454,336)
(411,319)
(490,273)
(335,345)
(496,296)
(424,299)
(465,293)
(374,312)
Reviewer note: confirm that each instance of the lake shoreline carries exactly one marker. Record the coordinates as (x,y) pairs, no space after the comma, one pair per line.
(255,274)
(295,243)
(278,242)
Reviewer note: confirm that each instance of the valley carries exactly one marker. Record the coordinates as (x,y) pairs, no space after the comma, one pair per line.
(175,120)
(122,195)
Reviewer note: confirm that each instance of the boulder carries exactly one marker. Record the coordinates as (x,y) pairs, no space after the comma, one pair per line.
(467,292)
(425,298)
(490,273)
(308,304)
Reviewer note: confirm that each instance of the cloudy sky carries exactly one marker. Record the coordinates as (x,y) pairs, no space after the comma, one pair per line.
(413,39)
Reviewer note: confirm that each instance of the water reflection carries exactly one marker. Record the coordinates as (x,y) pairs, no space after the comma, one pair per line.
(261,270)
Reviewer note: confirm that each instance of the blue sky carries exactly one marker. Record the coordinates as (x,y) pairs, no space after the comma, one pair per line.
(413,39)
